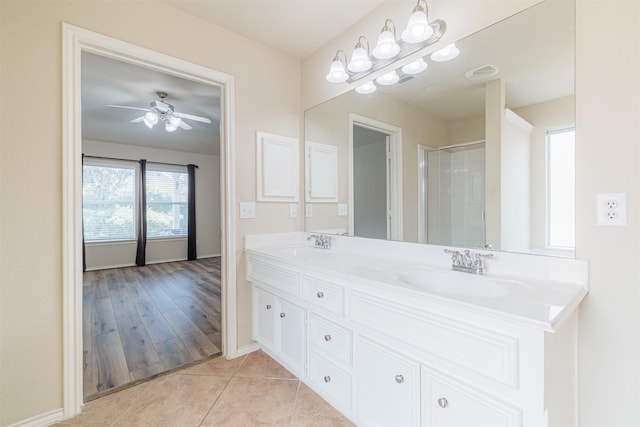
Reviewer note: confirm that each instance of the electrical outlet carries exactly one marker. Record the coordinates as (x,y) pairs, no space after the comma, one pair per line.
(611,209)
(293,210)
(308,210)
(247,210)
(342,209)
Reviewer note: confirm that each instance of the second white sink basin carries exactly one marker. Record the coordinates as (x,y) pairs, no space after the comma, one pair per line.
(456,283)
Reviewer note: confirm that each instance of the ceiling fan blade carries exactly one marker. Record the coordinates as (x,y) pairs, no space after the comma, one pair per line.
(137,120)
(130,108)
(192,117)
(185,126)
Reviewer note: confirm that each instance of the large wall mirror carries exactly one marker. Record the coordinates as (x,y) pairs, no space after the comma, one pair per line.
(474,152)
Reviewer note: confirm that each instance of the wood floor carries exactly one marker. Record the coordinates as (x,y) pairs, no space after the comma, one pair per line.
(142,321)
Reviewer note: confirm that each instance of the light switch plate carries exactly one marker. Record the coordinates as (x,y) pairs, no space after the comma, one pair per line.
(247,210)
(308,210)
(293,210)
(342,209)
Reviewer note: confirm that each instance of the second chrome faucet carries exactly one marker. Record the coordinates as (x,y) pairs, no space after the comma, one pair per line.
(467,261)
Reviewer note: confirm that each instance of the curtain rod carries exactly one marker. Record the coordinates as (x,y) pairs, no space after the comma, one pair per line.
(136,161)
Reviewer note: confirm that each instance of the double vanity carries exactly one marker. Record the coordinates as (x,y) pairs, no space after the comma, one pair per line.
(390,335)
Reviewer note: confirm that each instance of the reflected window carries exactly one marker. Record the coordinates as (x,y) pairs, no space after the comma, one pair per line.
(561,188)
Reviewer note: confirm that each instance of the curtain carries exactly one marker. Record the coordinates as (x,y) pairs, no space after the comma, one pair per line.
(191,208)
(84,252)
(141,207)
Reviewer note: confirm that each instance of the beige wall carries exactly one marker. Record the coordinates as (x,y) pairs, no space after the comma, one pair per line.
(267,98)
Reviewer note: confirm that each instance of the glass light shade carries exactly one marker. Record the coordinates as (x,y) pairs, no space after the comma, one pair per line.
(148,123)
(447,53)
(337,73)
(418,28)
(388,79)
(359,61)
(151,117)
(169,127)
(366,88)
(175,121)
(387,47)
(415,67)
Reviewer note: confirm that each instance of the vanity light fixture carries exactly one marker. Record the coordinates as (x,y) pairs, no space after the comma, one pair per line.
(366,88)
(388,79)
(360,60)
(415,67)
(447,53)
(418,29)
(337,72)
(388,49)
(387,46)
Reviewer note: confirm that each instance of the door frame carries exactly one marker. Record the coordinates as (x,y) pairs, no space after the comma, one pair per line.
(394,175)
(75,40)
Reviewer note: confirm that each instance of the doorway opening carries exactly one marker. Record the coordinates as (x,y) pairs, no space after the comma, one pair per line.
(77,41)
(375,179)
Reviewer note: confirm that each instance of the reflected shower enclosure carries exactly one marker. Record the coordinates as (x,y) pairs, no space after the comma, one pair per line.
(453,195)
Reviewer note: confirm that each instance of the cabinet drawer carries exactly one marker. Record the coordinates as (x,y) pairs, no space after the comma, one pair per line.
(321,293)
(331,339)
(450,403)
(332,380)
(280,278)
(485,352)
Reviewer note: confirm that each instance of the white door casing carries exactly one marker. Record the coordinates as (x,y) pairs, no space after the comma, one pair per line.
(75,40)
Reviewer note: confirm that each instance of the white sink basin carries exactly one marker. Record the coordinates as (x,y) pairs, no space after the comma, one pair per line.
(456,283)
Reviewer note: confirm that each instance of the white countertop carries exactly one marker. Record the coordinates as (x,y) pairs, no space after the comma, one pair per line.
(533,290)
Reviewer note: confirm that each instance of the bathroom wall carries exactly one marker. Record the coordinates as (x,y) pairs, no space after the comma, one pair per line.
(267,98)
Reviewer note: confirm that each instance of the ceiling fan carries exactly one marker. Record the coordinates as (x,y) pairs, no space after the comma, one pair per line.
(164,112)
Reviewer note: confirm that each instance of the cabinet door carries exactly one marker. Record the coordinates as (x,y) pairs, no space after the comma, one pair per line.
(449,403)
(264,318)
(388,387)
(292,335)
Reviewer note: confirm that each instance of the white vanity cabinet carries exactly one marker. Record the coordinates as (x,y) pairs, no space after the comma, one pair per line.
(384,356)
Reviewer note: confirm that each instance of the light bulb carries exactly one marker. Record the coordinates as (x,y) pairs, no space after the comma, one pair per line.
(447,53)
(337,73)
(359,61)
(366,88)
(387,47)
(415,67)
(418,28)
(388,79)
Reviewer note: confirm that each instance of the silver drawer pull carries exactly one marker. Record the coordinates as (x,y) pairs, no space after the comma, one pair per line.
(399,379)
(320,294)
(282,315)
(327,337)
(442,402)
(268,306)
(327,378)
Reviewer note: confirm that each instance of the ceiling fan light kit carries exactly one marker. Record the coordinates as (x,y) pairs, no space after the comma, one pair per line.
(418,34)
(165,113)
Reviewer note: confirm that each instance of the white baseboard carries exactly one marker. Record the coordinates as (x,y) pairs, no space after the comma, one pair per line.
(160,261)
(245,349)
(41,420)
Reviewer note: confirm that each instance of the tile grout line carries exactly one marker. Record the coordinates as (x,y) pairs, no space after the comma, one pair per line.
(222,391)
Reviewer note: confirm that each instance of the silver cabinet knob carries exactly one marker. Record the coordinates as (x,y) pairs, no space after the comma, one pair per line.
(327,337)
(320,294)
(442,402)
(327,378)
(399,379)
(282,315)
(268,306)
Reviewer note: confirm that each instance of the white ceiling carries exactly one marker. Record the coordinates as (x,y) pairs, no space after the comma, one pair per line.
(296,27)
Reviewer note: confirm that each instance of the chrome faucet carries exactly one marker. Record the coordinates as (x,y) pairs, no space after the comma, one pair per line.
(467,261)
(320,241)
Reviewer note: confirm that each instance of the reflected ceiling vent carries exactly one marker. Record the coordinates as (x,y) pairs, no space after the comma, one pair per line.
(482,73)
(405,78)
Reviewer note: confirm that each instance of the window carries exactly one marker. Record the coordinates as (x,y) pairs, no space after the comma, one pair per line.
(108,202)
(561,188)
(167,196)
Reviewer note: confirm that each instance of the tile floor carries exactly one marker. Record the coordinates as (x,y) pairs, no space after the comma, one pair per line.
(252,390)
